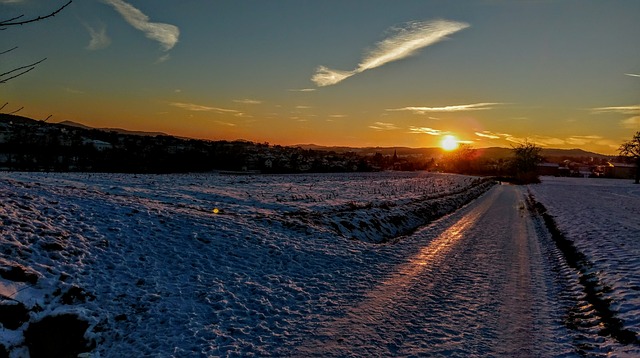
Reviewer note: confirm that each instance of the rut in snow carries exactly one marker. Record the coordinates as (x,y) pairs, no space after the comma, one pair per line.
(592,287)
(477,285)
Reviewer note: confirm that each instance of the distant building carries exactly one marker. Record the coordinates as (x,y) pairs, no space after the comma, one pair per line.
(620,170)
(98,144)
(551,169)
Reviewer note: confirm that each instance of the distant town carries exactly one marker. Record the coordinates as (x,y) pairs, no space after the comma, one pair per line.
(31,145)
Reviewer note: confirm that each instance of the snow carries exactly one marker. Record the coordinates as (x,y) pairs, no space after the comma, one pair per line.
(602,218)
(164,273)
(202,265)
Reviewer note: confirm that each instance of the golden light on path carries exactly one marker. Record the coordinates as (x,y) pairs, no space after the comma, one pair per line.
(449,142)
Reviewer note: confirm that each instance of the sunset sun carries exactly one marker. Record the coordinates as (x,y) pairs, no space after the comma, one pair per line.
(449,143)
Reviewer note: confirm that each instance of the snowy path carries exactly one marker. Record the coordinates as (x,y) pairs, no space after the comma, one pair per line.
(480,286)
(287,267)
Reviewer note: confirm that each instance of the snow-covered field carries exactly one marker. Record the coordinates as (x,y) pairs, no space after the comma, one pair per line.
(223,265)
(204,265)
(602,218)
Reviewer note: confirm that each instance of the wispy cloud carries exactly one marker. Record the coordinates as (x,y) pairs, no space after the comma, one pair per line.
(425,130)
(631,123)
(632,74)
(166,34)
(582,140)
(247,101)
(403,42)
(503,136)
(455,108)
(226,124)
(99,38)
(303,107)
(382,126)
(200,108)
(163,58)
(337,115)
(487,134)
(302,90)
(633,110)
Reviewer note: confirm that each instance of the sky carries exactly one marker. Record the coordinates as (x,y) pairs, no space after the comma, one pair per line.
(560,74)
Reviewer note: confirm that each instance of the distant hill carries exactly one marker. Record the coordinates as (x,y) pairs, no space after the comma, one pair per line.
(401,151)
(117,130)
(488,153)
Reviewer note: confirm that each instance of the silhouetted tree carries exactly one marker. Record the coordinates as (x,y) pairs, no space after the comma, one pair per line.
(631,149)
(461,160)
(526,157)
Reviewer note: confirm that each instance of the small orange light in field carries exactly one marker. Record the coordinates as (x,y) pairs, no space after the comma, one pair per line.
(449,142)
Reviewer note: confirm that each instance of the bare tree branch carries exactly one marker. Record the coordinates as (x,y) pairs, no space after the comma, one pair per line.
(9,50)
(12,19)
(12,22)
(26,69)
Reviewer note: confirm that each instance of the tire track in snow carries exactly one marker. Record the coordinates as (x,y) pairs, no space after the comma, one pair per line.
(478,288)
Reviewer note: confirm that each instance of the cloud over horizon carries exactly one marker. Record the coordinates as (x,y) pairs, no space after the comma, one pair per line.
(199,108)
(166,34)
(382,126)
(402,43)
(425,130)
(454,108)
(633,110)
(248,101)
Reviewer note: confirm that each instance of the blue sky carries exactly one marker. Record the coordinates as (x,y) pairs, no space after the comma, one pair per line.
(561,74)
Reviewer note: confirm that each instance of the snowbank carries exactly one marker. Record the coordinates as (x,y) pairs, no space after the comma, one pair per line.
(601,218)
(203,265)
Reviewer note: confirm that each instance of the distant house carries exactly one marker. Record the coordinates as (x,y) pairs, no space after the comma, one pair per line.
(620,170)
(551,169)
(98,144)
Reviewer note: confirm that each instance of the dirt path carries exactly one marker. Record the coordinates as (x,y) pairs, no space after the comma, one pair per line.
(479,286)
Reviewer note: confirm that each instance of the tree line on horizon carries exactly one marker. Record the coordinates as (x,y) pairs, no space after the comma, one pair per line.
(30,145)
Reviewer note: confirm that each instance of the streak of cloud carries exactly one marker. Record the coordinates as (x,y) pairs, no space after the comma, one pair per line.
(163,58)
(633,110)
(226,124)
(382,126)
(99,38)
(402,43)
(487,134)
(632,74)
(425,130)
(247,101)
(631,123)
(302,90)
(582,140)
(199,108)
(166,34)
(454,108)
